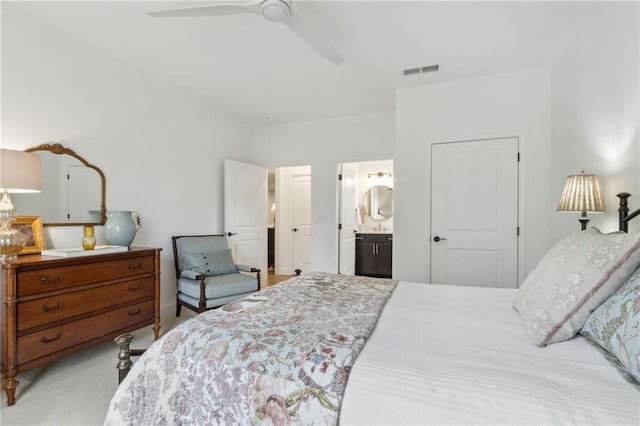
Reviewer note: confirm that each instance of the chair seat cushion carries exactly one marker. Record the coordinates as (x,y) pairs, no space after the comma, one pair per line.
(219,285)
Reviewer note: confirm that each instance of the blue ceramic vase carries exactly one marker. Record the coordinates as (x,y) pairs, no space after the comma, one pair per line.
(121,228)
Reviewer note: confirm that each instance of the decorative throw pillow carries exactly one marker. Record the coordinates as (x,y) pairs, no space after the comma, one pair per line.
(615,325)
(219,262)
(572,280)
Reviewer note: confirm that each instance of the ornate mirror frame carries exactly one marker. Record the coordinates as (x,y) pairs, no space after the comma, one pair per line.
(59,149)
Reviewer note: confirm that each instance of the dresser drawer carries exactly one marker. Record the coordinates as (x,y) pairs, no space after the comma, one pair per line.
(54,339)
(56,308)
(50,279)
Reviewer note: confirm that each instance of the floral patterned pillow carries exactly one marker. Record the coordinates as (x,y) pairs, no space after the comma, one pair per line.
(615,325)
(572,279)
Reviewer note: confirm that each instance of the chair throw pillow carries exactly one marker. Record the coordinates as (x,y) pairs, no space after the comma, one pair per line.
(219,262)
(615,325)
(573,279)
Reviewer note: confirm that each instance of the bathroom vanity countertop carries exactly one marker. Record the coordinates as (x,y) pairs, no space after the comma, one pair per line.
(374,232)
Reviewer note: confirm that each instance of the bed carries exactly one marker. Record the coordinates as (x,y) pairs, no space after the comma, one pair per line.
(328,349)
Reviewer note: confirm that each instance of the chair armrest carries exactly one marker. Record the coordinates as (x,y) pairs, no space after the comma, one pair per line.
(188,273)
(247,268)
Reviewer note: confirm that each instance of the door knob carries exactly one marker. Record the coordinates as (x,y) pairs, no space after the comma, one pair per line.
(230,234)
(295,229)
(436,239)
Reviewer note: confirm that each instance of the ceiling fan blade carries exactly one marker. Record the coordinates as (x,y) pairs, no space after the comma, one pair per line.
(213,10)
(303,29)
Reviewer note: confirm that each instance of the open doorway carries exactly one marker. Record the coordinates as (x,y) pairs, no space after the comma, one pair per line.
(365,230)
(289,222)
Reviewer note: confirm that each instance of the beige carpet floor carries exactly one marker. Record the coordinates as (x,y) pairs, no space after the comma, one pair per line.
(75,390)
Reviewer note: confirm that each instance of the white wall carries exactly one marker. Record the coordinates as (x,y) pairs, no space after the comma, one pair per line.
(510,104)
(323,144)
(582,113)
(162,152)
(595,110)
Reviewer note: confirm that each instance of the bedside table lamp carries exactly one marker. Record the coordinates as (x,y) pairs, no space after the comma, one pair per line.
(19,172)
(581,193)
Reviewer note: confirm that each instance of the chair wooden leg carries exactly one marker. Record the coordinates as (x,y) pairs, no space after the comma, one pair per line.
(178,307)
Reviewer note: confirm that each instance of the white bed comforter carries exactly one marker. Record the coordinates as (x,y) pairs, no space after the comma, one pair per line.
(461,355)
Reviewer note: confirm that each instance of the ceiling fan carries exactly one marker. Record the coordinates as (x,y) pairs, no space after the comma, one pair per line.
(272,10)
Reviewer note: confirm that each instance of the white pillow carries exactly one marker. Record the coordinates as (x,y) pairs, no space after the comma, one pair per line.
(572,279)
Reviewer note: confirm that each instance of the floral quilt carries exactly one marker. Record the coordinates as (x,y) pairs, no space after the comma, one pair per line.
(280,356)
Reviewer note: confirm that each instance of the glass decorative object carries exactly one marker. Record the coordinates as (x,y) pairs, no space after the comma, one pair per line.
(11,240)
(88,237)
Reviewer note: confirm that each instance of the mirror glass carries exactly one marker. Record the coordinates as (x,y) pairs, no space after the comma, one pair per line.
(378,202)
(73,190)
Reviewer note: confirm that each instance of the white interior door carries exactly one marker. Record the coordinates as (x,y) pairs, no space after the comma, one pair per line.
(301,222)
(245,213)
(347,221)
(474,213)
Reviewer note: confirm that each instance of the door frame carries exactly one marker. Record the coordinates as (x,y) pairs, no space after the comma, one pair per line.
(522,196)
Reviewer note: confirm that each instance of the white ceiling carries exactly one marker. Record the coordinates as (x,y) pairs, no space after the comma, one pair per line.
(254,69)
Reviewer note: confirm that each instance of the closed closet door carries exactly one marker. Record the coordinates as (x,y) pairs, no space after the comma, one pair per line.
(301,221)
(474,213)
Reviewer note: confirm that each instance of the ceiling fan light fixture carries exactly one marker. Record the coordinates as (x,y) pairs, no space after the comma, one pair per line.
(275,10)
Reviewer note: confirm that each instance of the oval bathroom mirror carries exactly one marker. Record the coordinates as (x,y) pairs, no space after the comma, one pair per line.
(378,202)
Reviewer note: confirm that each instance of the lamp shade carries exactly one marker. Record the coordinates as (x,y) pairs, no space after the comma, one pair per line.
(581,193)
(19,171)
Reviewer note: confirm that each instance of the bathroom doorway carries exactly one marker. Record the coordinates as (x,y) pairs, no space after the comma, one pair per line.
(365,207)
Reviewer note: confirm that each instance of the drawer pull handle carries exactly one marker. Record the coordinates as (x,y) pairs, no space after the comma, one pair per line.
(48,281)
(134,267)
(52,308)
(136,288)
(133,314)
(45,340)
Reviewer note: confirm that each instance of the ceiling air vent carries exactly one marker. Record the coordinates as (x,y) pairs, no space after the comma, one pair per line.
(411,71)
(430,68)
(420,70)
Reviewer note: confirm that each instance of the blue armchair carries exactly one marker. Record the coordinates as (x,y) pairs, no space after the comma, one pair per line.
(207,276)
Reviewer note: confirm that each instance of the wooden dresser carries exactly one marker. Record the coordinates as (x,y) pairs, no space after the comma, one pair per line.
(52,307)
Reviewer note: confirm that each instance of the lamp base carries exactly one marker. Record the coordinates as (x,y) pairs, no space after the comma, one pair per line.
(583,222)
(11,241)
